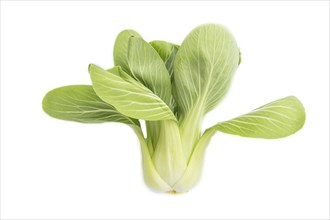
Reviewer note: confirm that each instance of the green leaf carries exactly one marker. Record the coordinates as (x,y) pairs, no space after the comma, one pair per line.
(277,119)
(80,103)
(167,51)
(128,96)
(163,48)
(204,66)
(147,67)
(120,48)
(203,69)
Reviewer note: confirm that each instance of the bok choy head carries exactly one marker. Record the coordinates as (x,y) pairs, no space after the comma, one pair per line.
(172,88)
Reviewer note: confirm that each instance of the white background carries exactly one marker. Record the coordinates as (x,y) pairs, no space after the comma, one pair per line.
(59,169)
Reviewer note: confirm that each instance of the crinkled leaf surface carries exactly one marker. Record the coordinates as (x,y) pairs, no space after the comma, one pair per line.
(277,119)
(204,66)
(80,103)
(129,97)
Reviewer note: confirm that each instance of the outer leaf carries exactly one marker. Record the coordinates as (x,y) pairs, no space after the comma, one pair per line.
(80,103)
(277,119)
(128,96)
(203,69)
(204,66)
(147,67)
(120,48)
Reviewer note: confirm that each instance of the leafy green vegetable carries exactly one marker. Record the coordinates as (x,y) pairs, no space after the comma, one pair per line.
(172,88)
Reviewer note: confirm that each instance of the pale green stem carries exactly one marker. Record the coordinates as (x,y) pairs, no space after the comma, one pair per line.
(150,174)
(193,172)
(190,129)
(168,156)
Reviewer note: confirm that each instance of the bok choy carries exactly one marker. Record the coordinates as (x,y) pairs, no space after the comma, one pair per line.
(172,87)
